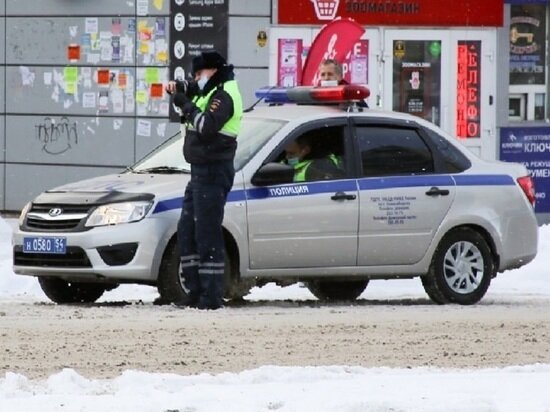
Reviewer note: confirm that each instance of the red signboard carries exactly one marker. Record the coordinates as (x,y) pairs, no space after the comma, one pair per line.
(468,119)
(415,13)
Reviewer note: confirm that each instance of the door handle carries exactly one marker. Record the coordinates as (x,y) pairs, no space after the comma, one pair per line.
(343,196)
(436,191)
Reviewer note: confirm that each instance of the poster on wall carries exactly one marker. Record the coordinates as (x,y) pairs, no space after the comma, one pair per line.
(195,27)
(289,62)
(417,78)
(527,44)
(531,147)
(468,89)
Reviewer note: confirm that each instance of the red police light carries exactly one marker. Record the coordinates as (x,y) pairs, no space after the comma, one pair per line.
(345,93)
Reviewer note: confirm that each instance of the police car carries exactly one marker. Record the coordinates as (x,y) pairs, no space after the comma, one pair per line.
(411,201)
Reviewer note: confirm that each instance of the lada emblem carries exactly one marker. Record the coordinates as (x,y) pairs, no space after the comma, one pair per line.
(56,211)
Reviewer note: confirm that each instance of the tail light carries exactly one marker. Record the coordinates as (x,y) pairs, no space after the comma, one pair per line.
(528,186)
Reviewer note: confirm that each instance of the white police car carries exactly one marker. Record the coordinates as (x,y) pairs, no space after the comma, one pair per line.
(410,202)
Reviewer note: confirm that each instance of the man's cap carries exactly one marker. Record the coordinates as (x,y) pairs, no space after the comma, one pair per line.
(208,60)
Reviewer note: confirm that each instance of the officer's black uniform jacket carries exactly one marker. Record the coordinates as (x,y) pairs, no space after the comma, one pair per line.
(203,142)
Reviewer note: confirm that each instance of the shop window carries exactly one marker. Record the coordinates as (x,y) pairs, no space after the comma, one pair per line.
(528,68)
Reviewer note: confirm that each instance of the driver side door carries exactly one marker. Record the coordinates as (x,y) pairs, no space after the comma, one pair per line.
(307,224)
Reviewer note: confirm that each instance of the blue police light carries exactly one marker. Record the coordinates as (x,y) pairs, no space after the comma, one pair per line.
(273,95)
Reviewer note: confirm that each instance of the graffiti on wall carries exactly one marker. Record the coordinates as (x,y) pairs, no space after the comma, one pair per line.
(57,137)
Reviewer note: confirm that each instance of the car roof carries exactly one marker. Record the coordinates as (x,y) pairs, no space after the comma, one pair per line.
(291,112)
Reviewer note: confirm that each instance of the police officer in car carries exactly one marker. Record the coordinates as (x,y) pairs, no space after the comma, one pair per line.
(211,110)
(307,168)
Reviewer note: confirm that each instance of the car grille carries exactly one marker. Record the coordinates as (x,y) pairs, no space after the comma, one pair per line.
(74,258)
(71,218)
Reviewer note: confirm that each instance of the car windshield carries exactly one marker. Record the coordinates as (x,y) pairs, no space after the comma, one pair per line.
(168,157)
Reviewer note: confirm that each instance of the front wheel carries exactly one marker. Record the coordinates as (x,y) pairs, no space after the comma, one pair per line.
(61,291)
(461,269)
(170,283)
(328,290)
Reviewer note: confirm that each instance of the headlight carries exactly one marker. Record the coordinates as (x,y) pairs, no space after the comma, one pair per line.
(24,213)
(116,213)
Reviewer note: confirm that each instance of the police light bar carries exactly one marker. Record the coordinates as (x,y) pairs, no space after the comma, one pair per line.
(310,94)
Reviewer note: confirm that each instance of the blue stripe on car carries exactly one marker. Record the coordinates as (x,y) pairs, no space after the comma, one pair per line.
(306,189)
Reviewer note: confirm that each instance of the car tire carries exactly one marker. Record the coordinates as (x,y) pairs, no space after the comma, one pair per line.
(329,290)
(461,270)
(170,285)
(61,291)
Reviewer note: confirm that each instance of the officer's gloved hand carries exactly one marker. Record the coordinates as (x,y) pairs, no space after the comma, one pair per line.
(182,101)
(188,87)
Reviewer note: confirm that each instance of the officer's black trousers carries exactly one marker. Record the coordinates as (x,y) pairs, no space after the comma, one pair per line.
(200,233)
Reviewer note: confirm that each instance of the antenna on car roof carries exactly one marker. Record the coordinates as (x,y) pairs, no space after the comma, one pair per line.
(249,109)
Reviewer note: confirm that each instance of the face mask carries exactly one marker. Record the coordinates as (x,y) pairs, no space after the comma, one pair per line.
(293,161)
(325,83)
(202,81)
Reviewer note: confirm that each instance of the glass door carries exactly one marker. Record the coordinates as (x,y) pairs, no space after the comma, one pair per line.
(446,77)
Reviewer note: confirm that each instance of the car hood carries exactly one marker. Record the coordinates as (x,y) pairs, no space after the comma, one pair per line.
(116,188)
(126,182)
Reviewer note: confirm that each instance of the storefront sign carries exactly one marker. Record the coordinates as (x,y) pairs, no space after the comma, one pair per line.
(196,27)
(468,89)
(416,13)
(530,146)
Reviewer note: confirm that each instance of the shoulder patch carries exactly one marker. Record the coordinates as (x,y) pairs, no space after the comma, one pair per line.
(214,105)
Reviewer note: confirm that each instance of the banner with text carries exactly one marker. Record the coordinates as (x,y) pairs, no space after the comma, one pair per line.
(531,147)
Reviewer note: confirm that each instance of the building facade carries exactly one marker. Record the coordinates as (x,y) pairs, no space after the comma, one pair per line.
(82,81)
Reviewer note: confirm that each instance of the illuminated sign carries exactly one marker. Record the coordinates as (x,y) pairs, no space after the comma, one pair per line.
(468,89)
(415,13)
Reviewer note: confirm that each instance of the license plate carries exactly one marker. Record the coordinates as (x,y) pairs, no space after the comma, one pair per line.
(55,245)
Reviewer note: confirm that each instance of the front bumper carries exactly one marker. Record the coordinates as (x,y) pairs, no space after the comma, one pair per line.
(129,252)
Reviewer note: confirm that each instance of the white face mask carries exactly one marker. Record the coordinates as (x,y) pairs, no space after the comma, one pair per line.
(202,81)
(293,161)
(325,83)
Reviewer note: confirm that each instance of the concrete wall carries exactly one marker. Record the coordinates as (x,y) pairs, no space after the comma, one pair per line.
(59,122)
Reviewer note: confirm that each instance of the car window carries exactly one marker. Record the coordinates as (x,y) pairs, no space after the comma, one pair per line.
(450,159)
(255,132)
(392,151)
(324,157)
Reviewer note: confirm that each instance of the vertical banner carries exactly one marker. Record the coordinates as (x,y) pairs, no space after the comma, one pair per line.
(195,27)
(289,62)
(417,78)
(468,89)
(531,147)
(334,41)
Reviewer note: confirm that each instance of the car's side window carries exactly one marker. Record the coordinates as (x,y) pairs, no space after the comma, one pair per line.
(318,154)
(393,151)
(451,160)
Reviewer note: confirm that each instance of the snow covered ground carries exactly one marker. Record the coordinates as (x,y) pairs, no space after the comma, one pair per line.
(272,388)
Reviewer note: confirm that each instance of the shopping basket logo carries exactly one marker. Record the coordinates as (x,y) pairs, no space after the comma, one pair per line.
(326,9)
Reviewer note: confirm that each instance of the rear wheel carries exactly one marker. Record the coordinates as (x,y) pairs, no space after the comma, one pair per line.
(170,283)
(331,290)
(461,269)
(61,291)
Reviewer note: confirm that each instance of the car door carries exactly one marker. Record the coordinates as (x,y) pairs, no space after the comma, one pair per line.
(403,200)
(311,223)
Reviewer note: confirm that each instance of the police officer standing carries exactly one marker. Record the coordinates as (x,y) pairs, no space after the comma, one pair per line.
(212,118)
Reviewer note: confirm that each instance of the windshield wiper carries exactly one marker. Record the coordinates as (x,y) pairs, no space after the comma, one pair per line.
(162,170)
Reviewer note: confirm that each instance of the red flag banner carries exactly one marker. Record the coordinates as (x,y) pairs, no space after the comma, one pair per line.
(334,41)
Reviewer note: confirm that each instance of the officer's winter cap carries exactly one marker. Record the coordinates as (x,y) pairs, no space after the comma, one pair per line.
(208,60)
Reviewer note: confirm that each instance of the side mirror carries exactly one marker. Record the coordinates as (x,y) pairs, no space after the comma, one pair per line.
(273,174)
